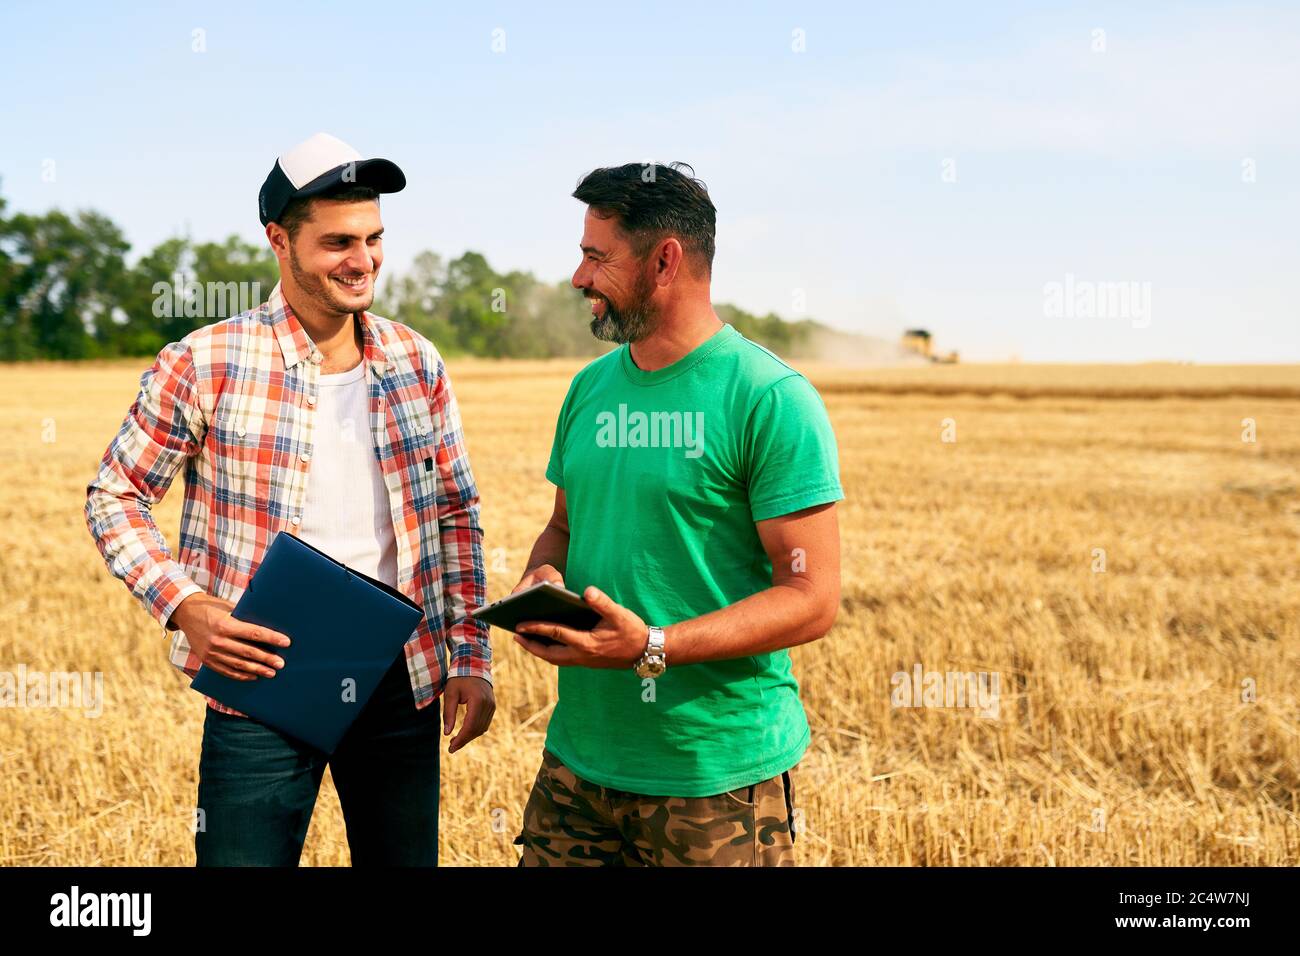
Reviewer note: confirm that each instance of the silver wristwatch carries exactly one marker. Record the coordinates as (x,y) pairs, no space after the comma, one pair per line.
(654,661)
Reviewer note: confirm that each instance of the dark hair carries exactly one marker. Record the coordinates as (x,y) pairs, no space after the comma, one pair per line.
(652,201)
(298,210)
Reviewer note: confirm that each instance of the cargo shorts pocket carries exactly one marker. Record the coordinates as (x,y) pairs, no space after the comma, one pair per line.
(741,796)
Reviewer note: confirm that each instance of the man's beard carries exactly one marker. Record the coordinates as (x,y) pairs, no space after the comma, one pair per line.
(321,291)
(629,324)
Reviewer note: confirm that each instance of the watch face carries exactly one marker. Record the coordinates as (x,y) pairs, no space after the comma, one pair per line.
(651,667)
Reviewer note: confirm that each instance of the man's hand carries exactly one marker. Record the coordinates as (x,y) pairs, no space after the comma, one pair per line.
(543,572)
(480,704)
(225,644)
(618,640)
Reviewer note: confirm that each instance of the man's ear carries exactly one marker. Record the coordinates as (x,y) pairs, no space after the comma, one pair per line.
(667,259)
(278,237)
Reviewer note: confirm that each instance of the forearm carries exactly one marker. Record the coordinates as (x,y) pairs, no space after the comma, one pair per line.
(784,615)
(552,547)
(464,583)
(164,427)
(133,548)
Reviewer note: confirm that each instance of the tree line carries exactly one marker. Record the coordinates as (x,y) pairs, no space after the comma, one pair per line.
(68,292)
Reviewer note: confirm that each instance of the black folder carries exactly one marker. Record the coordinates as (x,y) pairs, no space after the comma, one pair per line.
(346,630)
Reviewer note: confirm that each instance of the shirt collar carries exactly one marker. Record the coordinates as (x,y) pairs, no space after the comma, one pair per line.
(296,345)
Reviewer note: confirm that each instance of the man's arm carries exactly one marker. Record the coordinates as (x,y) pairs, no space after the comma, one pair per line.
(799,607)
(550,554)
(464,579)
(163,428)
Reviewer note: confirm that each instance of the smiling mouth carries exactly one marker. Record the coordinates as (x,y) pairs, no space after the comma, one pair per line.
(352,283)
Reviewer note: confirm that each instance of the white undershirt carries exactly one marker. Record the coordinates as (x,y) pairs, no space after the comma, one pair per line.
(347,514)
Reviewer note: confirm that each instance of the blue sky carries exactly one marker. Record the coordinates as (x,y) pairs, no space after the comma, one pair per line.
(932,165)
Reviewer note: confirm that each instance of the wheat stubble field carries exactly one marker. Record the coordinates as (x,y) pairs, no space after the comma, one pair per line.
(1127,733)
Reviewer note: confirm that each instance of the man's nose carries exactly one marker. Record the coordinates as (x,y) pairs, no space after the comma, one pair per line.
(579,281)
(362,261)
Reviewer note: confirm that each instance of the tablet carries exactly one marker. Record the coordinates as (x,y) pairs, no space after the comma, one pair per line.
(541,602)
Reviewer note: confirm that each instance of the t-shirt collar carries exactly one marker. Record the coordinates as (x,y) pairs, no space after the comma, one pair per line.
(641,377)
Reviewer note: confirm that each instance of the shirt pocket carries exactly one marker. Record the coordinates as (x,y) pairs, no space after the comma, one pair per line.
(241,457)
(416,459)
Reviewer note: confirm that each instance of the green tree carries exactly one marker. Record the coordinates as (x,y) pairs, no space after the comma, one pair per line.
(180,286)
(476,301)
(64,278)
(415,298)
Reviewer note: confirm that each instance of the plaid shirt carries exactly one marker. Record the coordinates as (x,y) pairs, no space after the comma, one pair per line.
(233,405)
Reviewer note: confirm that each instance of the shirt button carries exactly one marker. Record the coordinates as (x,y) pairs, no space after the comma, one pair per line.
(240,432)
(316,357)
(296,519)
(311,399)
(306,456)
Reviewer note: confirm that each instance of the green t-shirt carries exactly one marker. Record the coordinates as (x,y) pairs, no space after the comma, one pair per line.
(664,475)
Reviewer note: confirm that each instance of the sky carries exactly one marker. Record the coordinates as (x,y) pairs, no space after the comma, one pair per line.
(1045,181)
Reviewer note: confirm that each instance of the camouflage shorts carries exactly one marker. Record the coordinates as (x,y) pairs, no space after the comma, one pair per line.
(569,821)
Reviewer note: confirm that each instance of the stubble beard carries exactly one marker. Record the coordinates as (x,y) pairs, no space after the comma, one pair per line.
(631,324)
(319,290)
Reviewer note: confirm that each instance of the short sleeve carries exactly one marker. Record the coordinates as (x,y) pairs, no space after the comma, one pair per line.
(555,466)
(791,452)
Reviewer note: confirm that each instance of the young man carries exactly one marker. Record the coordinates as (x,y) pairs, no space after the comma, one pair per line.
(696,475)
(310,415)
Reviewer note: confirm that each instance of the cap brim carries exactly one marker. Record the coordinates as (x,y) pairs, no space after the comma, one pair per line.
(381,175)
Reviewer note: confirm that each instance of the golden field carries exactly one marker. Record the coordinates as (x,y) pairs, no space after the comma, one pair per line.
(1127,733)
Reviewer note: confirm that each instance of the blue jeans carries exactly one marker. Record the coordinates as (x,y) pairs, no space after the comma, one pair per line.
(258,787)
